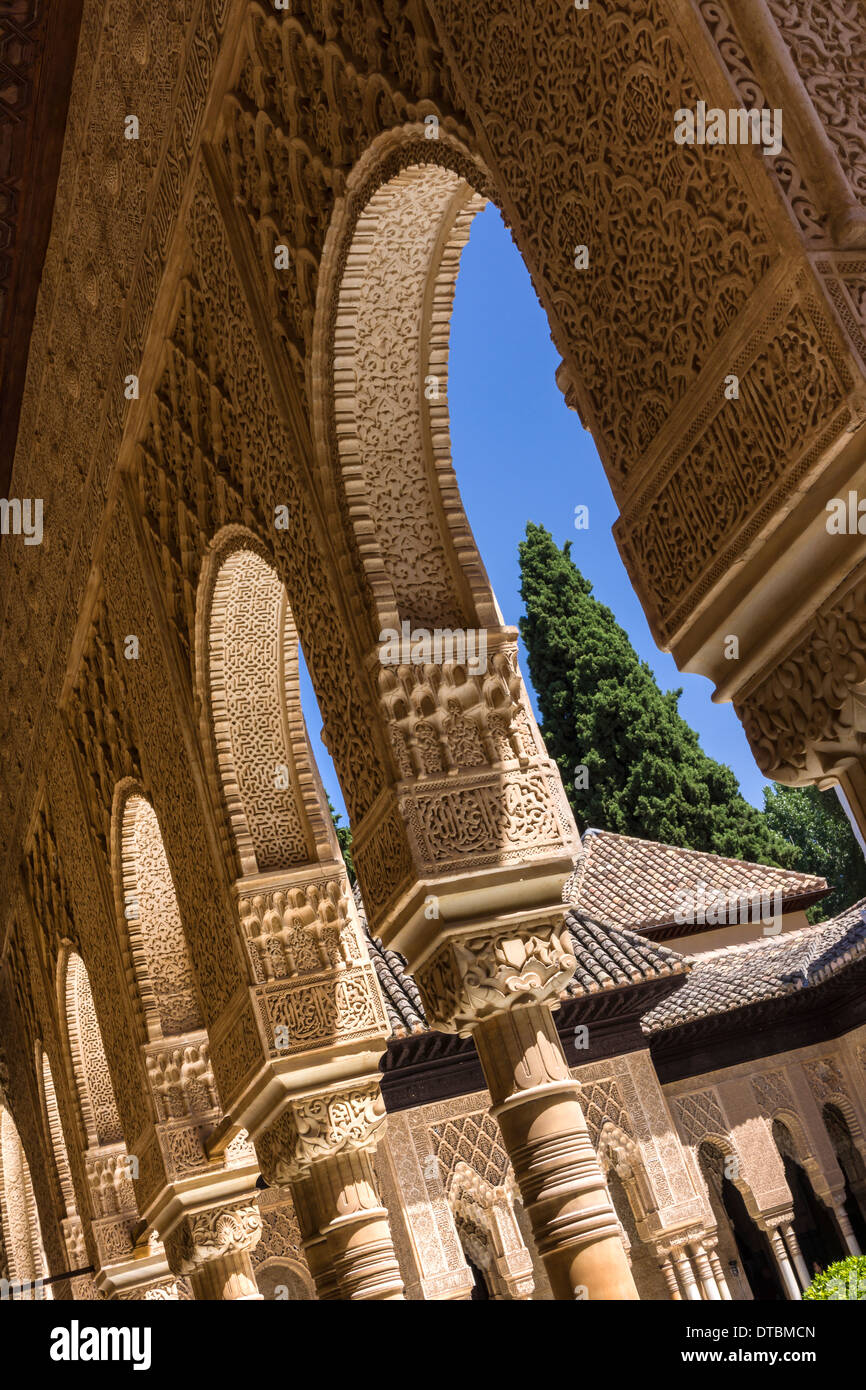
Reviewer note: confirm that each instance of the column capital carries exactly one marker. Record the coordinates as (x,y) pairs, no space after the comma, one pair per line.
(211,1234)
(472,977)
(347,1119)
(771,1221)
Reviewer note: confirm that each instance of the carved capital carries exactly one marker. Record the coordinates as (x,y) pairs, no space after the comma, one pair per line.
(771,1221)
(315,1128)
(470,978)
(203,1236)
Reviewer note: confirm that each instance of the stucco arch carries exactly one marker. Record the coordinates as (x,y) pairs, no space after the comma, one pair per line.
(86,1052)
(787,1123)
(52,1122)
(18,1211)
(152,933)
(619,1152)
(712,1152)
(252,724)
(380,352)
(284,1279)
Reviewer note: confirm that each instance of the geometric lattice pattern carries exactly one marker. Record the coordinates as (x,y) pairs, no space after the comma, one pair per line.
(700,1115)
(772,1092)
(476,1139)
(602,1102)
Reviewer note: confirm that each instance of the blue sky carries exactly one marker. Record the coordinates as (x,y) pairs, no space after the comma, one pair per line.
(521,455)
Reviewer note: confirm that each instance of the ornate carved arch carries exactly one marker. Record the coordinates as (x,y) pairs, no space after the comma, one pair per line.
(791,1141)
(278,1273)
(711,1151)
(87,1053)
(842,1102)
(847,1140)
(18,1211)
(152,932)
(380,352)
(55,1131)
(617,1150)
(253,726)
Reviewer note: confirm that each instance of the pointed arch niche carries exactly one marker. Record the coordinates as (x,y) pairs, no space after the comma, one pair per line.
(19,1217)
(158,955)
(314,988)
(76,1254)
(116,1220)
(454,709)
(743,1247)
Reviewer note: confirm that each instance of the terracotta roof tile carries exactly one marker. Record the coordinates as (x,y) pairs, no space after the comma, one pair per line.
(625,881)
(769,968)
(609,958)
(402,997)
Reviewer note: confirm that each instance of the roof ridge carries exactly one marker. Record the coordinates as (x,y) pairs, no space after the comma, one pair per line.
(594,835)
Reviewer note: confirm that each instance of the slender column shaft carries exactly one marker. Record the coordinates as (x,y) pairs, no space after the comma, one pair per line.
(536,1103)
(358,1235)
(705,1274)
(230,1277)
(718,1271)
(666,1266)
(781,1257)
(687,1276)
(796,1254)
(845,1229)
(314,1241)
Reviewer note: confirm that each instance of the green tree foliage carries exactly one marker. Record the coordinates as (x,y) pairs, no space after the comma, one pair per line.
(844,1281)
(817,825)
(602,709)
(344,840)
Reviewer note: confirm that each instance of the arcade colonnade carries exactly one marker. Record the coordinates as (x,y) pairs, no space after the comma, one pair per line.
(236,413)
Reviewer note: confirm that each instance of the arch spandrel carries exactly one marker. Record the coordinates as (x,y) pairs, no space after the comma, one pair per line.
(709,265)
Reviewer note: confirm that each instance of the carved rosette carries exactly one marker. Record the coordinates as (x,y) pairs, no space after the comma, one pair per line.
(203,1236)
(347,1120)
(471,978)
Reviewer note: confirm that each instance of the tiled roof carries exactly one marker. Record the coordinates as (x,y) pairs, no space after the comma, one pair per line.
(639,884)
(611,957)
(608,958)
(769,968)
(400,992)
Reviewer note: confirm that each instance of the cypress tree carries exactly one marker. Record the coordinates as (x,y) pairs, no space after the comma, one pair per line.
(602,710)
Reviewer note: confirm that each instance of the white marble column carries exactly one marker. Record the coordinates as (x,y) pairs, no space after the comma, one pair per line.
(780,1254)
(705,1274)
(719,1273)
(687,1275)
(796,1254)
